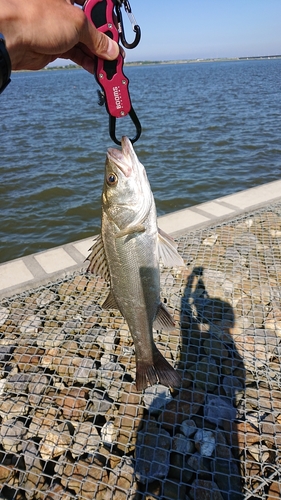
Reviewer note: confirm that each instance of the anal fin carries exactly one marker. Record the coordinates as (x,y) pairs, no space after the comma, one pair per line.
(163,320)
(110,302)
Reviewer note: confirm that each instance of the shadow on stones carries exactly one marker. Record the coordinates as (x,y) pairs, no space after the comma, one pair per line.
(213,373)
(189,448)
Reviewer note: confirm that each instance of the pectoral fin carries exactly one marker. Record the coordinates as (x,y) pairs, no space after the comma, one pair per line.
(163,320)
(97,258)
(139,228)
(167,250)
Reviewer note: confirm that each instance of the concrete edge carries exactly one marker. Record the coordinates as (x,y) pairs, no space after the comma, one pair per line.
(41,268)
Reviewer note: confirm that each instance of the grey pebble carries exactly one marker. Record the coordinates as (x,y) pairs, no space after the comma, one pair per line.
(218,408)
(107,340)
(205,442)
(188,428)
(72,326)
(231,385)
(152,454)
(232,253)
(86,372)
(99,402)
(18,383)
(86,439)
(156,396)
(182,445)
(47,340)
(11,435)
(38,384)
(30,324)
(5,352)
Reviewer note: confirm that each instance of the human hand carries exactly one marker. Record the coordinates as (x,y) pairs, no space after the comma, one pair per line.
(39,31)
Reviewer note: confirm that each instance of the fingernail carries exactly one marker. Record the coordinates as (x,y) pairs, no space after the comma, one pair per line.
(112,49)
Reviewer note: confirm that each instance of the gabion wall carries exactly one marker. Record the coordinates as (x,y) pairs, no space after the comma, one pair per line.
(74,427)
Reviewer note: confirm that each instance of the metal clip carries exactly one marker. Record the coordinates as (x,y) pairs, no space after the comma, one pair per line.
(131,17)
(112,127)
(109,74)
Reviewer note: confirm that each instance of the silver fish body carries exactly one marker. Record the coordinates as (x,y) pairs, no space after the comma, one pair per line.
(127,253)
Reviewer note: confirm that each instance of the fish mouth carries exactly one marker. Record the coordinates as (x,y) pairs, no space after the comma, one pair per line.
(123,159)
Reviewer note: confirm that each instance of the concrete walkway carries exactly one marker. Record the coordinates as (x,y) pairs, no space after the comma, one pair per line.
(40,268)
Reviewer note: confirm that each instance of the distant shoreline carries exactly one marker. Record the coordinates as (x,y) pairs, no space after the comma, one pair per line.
(173,61)
(178,61)
(212,59)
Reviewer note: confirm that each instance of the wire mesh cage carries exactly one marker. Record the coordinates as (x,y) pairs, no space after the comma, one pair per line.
(73,424)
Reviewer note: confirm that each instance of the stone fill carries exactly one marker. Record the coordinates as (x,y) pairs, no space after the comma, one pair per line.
(71,422)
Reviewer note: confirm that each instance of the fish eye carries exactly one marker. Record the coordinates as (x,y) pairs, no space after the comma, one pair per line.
(112,179)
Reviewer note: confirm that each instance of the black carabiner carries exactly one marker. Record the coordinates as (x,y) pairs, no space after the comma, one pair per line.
(112,127)
(121,30)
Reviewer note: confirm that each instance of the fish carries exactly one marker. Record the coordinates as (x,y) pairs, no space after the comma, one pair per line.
(127,253)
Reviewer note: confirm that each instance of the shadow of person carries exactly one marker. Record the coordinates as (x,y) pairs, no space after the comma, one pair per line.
(188,448)
(213,374)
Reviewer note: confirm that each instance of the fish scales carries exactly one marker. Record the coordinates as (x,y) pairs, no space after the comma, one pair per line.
(128,251)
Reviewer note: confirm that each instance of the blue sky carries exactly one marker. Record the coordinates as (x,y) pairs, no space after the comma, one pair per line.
(174,29)
(192,29)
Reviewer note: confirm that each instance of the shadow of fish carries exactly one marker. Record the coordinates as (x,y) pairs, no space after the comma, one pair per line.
(127,253)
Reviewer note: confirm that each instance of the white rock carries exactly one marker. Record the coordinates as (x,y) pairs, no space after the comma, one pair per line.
(30,324)
(248,222)
(259,452)
(205,442)
(108,340)
(275,233)
(108,433)
(210,240)
(4,313)
(2,386)
(46,298)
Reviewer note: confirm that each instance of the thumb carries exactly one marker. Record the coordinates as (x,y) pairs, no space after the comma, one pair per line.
(98,43)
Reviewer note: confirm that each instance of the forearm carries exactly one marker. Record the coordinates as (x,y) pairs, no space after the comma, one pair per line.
(11,26)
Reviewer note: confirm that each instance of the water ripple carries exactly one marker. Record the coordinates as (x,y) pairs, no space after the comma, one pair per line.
(209,129)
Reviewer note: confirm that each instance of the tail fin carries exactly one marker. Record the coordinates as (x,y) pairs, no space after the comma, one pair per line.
(161,371)
(145,375)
